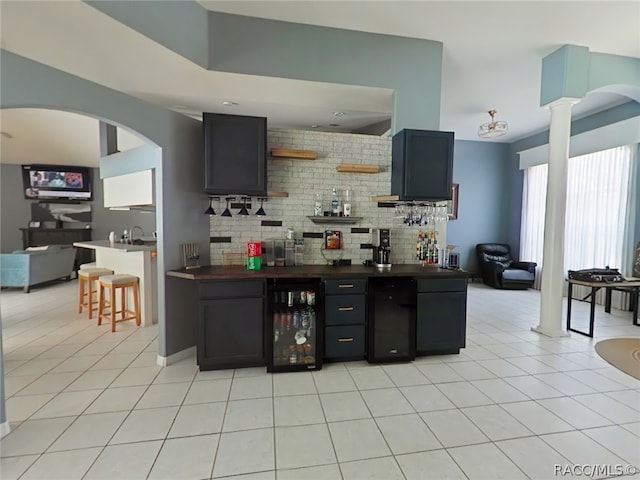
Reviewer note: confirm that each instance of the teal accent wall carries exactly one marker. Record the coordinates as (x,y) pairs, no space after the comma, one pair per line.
(179,25)
(606,70)
(410,66)
(479,168)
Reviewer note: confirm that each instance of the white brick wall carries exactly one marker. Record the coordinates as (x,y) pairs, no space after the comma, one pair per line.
(302,179)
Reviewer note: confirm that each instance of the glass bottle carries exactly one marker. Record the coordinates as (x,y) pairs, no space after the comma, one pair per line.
(317,206)
(335,203)
(346,203)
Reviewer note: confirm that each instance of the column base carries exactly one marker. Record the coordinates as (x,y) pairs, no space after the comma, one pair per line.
(550,333)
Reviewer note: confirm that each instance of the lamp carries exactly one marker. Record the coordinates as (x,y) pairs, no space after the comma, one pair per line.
(243,211)
(493,128)
(227,212)
(260,212)
(210,211)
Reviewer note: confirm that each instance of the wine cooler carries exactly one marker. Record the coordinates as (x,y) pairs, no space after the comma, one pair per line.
(294,325)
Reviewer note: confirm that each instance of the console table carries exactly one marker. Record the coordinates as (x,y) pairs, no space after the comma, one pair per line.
(632,286)
(38,237)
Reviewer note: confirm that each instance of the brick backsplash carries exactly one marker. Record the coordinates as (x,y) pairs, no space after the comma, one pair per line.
(302,179)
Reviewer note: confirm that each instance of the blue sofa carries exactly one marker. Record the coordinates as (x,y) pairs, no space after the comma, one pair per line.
(25,268)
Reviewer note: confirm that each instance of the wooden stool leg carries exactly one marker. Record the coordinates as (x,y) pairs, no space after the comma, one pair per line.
(113,307)
(123,303)
(100,303)
(136,304)
(90,295)
(81,289)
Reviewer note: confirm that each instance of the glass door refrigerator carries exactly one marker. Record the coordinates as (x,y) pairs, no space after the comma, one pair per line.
(294,325)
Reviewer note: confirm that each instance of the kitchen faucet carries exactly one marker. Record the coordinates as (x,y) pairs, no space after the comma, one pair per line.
(131,233)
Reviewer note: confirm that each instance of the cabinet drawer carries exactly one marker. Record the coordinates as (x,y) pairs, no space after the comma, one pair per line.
(231,289)
(442,285)
(345,286)
(344,309)
(342,342)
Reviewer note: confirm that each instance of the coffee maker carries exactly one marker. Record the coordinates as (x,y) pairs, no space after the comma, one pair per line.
(381,248)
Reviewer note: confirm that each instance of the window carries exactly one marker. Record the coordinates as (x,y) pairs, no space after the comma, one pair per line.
(599,217)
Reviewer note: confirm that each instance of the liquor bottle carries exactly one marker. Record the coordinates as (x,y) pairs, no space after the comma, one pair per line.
(317,206)
(335,203)
(346,203)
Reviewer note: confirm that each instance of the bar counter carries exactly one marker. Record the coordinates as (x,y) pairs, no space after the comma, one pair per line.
(215,272)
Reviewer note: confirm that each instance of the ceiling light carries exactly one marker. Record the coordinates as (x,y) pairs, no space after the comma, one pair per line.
(315,126)
(493,128)
(334,124)
(226,103)
(339,114)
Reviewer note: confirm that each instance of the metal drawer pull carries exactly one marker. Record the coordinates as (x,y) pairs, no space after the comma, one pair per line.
(345,285)
(345,309)
(345,340)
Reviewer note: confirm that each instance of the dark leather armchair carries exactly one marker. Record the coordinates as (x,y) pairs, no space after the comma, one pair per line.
(499,270)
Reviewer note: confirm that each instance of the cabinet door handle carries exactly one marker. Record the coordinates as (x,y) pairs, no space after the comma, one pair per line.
(345,285)
(345,340)
(345,309)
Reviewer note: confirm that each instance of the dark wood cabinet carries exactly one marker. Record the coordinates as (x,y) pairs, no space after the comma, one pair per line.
(38,237)
(441,316)
(345,319)
(235,154)
(422,165)
(231,324)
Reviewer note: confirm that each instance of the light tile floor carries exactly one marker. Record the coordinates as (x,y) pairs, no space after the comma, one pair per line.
(87,403)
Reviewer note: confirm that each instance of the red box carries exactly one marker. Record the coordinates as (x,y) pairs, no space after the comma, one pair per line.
(254,249)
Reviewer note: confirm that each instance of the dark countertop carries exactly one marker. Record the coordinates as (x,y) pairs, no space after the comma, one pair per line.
(213,272)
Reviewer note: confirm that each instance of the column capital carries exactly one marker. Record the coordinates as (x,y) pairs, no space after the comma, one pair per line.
(562,101)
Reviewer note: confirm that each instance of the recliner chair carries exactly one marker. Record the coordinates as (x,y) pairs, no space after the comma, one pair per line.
(499,270)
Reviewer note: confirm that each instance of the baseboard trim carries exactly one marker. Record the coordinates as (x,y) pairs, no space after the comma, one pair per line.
(176,357)
(5,428)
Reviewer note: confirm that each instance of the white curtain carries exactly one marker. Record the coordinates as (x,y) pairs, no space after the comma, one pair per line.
(599,217)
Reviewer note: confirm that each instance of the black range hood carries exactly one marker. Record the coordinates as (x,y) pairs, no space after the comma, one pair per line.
(422,165)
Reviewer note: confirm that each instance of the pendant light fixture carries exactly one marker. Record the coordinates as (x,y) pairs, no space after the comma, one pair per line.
(243,211)
(227,212)
(260,212)
(493,128)
(210,211)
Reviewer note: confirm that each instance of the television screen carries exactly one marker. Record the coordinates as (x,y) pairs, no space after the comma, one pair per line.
(56,182)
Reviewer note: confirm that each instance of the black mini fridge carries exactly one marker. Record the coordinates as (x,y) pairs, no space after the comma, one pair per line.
(392,319)
(294,337)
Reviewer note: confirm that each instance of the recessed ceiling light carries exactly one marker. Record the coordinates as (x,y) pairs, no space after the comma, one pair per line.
(334,124)
(226,103)
(339,114)
(315,126)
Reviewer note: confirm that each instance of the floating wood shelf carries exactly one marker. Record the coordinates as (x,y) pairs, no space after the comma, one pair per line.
(386,198)
(357,168)
(288,153)
(342,220)
(277,194)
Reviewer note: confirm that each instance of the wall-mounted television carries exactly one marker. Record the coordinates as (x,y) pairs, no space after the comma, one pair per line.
(59,182)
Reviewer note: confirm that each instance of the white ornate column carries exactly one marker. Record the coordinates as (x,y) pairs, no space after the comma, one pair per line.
(553,273)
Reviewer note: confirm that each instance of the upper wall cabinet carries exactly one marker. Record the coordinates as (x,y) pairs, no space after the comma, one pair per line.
(129,190)
(235,154)
(422,165)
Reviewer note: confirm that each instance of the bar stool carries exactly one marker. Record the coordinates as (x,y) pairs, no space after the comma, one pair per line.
(86,279)
(84,266)
(113,283)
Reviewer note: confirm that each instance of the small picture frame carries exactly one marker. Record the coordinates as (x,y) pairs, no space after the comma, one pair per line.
(332,239)
(34,224)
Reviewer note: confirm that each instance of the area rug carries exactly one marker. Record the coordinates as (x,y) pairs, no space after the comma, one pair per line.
(622,353)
